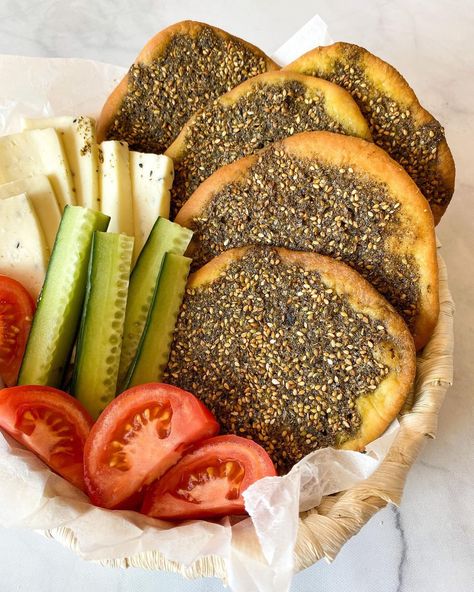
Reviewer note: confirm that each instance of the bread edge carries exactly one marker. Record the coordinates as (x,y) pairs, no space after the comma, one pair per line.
(153,47)
(384,74)
(393,389)
(349,112)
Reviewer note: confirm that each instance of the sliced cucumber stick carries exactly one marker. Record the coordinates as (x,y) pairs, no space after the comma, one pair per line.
(100,337)
(57,317)
(164,237)
(154,347)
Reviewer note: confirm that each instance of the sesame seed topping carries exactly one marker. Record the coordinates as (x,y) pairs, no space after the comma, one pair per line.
(284,395)
(302,205)
(163,94)
(222,133)
(393,126)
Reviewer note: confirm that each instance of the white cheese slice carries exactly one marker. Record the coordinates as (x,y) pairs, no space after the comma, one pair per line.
(152,178)
(41,195)
(23,251)
(115,186)
(37,152)
(79,140)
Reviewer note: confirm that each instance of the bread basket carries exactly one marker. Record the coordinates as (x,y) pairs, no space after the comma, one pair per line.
(324,530)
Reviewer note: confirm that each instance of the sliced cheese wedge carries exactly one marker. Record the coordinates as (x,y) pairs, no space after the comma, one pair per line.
(152,178)
(115,186)
(79,140)
(23,250)
(37,152)
(41,195)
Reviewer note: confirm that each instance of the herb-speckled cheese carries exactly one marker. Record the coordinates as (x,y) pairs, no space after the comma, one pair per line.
(152,177)
(37,152)
(41,195)
(79,140)
(23,250)
(115,186)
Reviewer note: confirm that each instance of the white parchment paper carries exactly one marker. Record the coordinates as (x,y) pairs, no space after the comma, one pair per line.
(258,550)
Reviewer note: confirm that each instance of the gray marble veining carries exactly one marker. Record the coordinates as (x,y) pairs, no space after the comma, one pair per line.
(403,550)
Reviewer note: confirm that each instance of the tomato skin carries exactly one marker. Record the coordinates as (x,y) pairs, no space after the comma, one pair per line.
(34,415)
(201,486)
(139,435)
(16,314)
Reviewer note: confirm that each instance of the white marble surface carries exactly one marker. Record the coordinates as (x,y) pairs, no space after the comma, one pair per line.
(427,544)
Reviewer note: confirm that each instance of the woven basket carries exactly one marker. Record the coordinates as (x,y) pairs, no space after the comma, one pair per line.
(325,529)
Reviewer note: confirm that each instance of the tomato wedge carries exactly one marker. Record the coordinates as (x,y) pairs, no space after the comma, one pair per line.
(16,313)
(49,422)
(141,434)
(209,480)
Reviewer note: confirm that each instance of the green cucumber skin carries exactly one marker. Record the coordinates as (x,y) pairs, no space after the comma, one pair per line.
(155,344)
(100,337)
(57,316)
(165,236)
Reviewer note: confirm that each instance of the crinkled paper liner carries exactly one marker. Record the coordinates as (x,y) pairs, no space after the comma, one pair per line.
(324,530)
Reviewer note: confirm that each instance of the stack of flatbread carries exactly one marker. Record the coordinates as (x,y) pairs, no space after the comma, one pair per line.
(313,193)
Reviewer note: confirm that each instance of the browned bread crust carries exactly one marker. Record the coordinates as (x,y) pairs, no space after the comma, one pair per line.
(261,110)
(336,195)
(353,342)
(399,124)
(177,72)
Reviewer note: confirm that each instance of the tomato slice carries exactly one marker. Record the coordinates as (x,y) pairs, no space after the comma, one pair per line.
(141,434)
(209,480)
(16,313)
(49,422)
